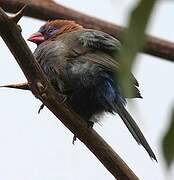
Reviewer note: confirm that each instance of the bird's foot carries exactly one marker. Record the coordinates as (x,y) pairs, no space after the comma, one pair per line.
(74,139)
(90,124)
(41,107)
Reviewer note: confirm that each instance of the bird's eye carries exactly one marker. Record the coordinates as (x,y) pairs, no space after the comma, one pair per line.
(50,30)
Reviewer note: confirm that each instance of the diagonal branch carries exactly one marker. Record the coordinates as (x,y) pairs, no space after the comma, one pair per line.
(47,10)
(43,90)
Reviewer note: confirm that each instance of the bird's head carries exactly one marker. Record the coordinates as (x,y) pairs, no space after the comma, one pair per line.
(53,29)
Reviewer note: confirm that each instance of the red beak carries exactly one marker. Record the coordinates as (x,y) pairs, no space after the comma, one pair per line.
(36,38)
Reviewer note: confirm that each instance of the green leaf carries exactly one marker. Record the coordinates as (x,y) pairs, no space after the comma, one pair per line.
(168,143)
(133,40)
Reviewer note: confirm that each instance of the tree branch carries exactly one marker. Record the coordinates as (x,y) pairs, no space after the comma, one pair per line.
(47,10)
(43,90)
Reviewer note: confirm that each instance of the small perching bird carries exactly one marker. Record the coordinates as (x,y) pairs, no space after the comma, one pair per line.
(81,64)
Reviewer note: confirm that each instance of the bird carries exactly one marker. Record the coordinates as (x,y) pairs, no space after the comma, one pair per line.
(83,65)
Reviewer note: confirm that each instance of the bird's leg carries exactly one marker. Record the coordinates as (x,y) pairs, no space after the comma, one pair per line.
(64,98)
(62,92)
(41,107)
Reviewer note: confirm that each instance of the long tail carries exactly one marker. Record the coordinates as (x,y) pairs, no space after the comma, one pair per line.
(111,99)
(134,129)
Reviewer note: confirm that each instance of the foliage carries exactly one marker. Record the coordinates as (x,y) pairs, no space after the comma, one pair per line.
(168,143)
(133,40)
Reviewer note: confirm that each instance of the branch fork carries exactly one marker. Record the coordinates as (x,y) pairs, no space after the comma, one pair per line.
(19,14)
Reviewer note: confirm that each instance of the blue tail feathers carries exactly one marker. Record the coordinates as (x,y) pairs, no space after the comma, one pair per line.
(112,99)
(109,94)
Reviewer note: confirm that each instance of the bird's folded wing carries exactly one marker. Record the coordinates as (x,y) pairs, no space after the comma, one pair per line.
(107,48)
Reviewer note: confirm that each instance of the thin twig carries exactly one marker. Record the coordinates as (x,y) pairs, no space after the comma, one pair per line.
(19,14)
(22,86)
(49,10)
(43,90)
